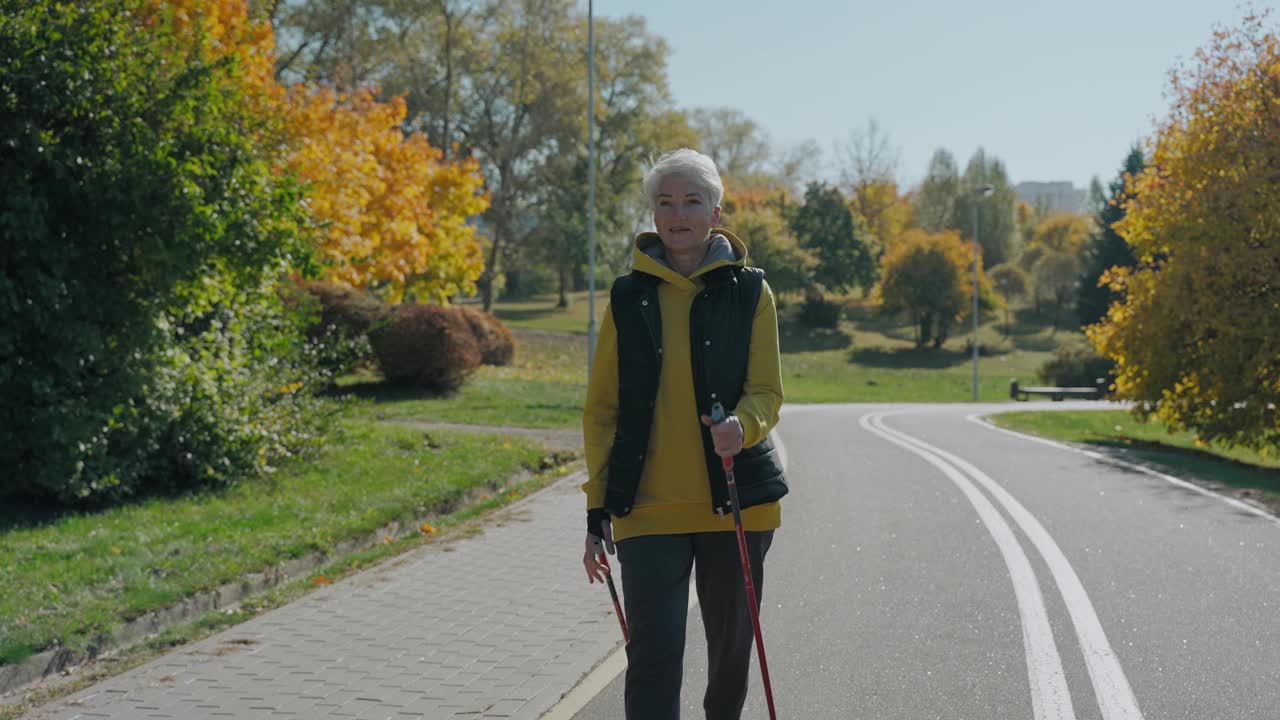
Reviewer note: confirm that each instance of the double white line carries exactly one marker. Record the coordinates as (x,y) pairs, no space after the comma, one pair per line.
(1050,698)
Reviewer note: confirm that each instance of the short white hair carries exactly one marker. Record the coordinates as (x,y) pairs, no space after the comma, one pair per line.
(691,164)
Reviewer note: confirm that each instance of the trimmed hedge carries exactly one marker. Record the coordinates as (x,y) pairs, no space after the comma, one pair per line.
(497,344)
(427,346)
(1077,367)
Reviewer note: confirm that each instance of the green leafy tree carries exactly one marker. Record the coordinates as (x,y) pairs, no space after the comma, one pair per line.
(739,146)
(997,222)
(1053,278)
(825,225)
(935,200)
(772,247)
(143,223)
(635,121)
(1106,248)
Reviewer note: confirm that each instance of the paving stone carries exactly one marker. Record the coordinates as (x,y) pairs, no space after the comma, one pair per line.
(502,625)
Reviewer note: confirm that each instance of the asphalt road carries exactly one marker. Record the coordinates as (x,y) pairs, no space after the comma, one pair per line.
(930,566)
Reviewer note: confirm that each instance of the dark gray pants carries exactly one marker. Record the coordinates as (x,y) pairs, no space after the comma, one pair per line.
(655,580)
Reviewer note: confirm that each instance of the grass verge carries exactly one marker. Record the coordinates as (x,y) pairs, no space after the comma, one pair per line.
(1246,473)
(452,527)
(73,577)
(545,387)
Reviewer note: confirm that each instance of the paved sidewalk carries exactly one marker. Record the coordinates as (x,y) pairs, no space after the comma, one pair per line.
(500,625)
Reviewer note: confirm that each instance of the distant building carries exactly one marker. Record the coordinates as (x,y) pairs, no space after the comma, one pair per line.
(1054,196)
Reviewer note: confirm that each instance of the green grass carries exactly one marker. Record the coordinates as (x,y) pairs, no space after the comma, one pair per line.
(873,358)
(869,358)
(540,312)
(70,578)
(1179,454)
(545,387)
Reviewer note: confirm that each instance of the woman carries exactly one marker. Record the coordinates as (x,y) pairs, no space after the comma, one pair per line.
(690,326)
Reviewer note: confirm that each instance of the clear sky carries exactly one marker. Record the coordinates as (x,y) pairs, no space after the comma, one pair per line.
(1057,90)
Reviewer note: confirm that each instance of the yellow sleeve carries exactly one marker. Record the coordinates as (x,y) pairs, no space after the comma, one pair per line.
(600,414)
(762,394)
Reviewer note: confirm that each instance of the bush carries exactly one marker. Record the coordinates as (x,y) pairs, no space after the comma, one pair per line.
(497,344)
(338,322)
(142,225)
(426,346)
(1077,367)
(818,312)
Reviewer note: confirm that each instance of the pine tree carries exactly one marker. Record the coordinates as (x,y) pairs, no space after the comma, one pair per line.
(1106,249)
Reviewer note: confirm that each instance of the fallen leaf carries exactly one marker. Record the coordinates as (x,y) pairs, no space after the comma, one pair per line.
(427,529)
(321,580)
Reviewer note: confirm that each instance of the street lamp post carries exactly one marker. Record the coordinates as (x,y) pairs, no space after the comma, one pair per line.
(978,194)
(591,188)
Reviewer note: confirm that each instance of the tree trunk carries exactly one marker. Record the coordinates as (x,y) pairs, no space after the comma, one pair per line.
(491,272)
(449,18)
(562,262)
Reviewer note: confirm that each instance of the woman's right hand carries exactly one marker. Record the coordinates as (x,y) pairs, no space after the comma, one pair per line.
(596,570)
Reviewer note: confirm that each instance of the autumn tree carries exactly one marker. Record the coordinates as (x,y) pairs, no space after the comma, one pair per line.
(868,166)
(1105,248)
(930,277)
(1053,259)
(390,212)
(1196,338)
(1011,282)
(773,247)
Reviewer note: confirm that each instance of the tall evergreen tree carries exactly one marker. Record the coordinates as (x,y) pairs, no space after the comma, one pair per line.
(997,223)
(1106,249)
(935,201)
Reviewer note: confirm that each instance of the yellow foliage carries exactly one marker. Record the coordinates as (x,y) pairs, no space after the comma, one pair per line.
(930,275)
(882,210)
(1197,339)
(393,213)
(1063,232)
(390,212)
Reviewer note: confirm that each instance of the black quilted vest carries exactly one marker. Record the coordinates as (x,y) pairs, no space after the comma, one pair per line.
(720,341)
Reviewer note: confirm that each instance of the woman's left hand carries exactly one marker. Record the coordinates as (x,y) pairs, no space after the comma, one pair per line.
(726,435)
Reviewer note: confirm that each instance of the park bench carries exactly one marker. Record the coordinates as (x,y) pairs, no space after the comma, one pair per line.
(1097,392)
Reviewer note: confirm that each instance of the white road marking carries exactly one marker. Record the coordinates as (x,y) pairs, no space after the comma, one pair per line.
(1115,696)
(981,420)
(1050,698)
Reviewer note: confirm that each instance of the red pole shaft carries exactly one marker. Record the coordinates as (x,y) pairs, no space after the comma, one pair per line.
(613,593)
(751,588)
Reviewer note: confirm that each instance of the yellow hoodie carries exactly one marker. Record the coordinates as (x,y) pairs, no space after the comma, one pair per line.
(674,496)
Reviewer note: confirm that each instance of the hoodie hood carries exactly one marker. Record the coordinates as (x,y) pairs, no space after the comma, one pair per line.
(649,256)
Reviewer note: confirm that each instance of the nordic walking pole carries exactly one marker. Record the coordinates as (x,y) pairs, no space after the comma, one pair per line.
(613,591)
(717,416)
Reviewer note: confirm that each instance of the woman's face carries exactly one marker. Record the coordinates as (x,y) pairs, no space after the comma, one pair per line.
(683,213)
